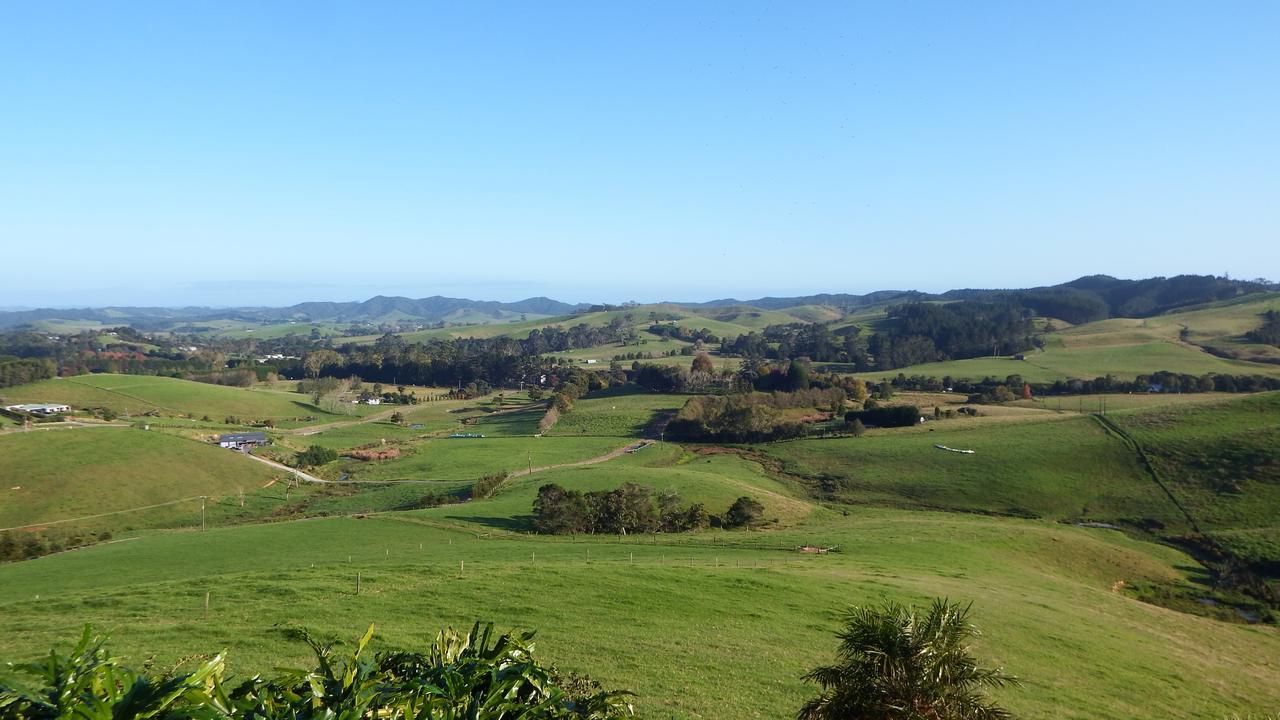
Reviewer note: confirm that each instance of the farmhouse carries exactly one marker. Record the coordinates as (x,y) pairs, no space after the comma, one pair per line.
(242,441)
(41,409)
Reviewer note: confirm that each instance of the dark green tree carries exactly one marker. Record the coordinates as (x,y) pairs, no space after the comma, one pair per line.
(797,376)
(744,512)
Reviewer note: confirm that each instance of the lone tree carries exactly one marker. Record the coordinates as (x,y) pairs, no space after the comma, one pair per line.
(702,363)
(896,663)
(745,511)
(316,455)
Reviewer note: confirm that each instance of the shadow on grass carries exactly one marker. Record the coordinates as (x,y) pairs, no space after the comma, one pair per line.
(519,523)
(1196,574)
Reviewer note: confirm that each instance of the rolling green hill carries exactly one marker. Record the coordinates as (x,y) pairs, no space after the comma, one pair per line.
(138,394)
(1220,462)
(63,474)
(717,624)
(711,624)
(1127,347)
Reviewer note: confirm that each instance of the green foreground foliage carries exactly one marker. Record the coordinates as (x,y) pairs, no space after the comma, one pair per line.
(897,663)
(476,676)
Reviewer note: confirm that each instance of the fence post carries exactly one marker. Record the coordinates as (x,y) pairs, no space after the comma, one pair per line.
(357,583)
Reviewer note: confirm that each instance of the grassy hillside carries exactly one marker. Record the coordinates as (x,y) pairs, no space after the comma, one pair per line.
(618,414)
(1066,469)
(719,629)
(712,624)
(1108,356)
(1220,462)
(713,480)
(1126,347)
(74,473)
(137,394)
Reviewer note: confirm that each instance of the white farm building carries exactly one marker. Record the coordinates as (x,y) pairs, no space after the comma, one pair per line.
(41,409)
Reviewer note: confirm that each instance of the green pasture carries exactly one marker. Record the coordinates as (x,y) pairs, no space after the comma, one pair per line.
(459,459)
(1112,402)
(620,414)
(714,625)
(713,480)
(1087,362)
(1219,460)
(137,394)
(711,624)
(1061,469)
(66,474)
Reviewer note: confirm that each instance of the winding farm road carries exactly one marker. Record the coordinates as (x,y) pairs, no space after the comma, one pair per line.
(619,452)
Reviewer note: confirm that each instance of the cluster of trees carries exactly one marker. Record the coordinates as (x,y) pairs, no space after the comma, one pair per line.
(927,332)
(749,417)
(15,371)
(815,341)
(399,397)
(240,377)
(114,350)
(457,363)
(915,333)
(631,508)
(27,545)
(1269,333)
(679,332)
(582,335)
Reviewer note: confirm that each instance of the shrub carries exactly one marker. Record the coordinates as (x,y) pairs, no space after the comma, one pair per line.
(477,675)
(892,416)
(485,486)
(744,512)
(896,663)
(316,455)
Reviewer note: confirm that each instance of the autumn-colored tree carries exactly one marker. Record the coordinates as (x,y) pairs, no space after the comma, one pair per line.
(702,363)
(1026,391)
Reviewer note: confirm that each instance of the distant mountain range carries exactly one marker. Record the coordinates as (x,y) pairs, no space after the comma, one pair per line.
(374,310)
(1091,297)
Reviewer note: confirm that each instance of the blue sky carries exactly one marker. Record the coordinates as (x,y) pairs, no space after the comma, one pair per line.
(268,153)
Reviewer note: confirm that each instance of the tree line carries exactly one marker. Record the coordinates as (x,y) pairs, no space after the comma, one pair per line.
(1269,332)
(630,509)
(750,417)
(15,371)
(913,333)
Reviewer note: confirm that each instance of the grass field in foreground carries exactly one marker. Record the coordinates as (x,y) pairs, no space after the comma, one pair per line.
(715,625)
(73,473)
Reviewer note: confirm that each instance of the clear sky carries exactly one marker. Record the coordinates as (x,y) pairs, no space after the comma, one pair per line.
(270,152)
